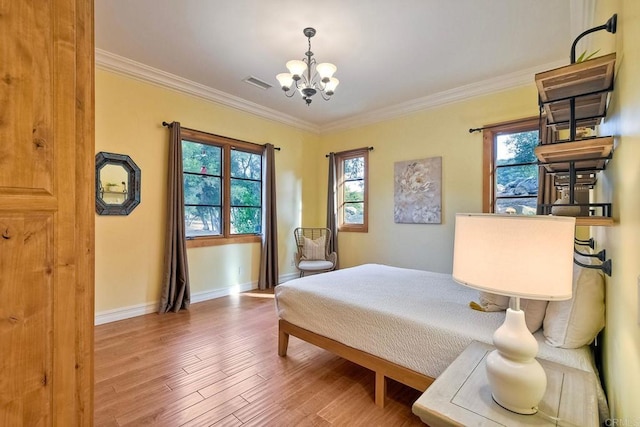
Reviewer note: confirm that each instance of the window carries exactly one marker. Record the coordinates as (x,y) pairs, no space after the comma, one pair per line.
(352,175)
(510,178)
(222,189)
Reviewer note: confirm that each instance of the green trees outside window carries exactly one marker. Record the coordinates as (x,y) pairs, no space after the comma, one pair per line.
(352,175)
(354,190)
(222,186)
(246,192)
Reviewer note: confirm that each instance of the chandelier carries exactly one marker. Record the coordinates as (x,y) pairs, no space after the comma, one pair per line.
(308,85)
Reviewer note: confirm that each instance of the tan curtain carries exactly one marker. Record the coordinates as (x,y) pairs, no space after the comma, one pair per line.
(332,213)
(175,282)
(269,257)
(547,193)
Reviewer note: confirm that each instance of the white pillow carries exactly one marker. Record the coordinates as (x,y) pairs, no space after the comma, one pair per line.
(493,302)
(577,321)
(313,249)
(534,312)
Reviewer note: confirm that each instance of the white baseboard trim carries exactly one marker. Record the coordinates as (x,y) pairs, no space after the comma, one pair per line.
(286,277)
(116,314)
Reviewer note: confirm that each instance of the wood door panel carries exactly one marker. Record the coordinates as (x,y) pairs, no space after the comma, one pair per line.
(26,267)
(46,212)
(26,97)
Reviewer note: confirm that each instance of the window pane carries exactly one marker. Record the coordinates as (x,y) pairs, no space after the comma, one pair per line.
(202,190)
(245,193)
(202,221)
(520,206)
(516,148)
(517,181)
(246,165)
(201,158)
(354,213)
(354,168)
(246,220)
(354,191)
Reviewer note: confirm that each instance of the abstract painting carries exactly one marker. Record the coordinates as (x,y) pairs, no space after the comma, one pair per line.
(417,191)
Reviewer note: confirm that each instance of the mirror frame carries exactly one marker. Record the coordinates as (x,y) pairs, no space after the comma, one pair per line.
(133,195)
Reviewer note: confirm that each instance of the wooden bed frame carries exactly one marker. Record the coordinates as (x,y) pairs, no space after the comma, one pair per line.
(382,368)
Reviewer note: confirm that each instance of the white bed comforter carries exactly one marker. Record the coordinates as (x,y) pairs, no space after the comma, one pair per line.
(417,319)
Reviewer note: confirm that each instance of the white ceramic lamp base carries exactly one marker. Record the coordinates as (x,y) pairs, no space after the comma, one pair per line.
(517,380)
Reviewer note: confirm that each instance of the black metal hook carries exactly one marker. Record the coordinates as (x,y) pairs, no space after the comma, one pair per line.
(605,266)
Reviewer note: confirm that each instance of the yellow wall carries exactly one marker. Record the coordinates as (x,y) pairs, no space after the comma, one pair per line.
(620,184)
(129,249)
(441,132)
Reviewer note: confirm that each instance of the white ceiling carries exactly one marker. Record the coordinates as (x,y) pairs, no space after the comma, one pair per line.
(388,53)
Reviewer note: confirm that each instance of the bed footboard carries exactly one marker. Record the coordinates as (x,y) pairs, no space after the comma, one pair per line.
(382,368)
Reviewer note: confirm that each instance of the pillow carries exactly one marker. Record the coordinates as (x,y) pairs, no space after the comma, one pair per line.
(534,312)
(577,321)
(491,302)
(313,249)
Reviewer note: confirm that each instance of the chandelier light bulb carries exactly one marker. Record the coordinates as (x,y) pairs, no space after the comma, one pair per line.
(331,85)
(286,81)
(296,68)
(326,71)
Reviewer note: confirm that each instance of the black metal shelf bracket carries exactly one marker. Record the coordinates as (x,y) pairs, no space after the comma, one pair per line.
(605,264)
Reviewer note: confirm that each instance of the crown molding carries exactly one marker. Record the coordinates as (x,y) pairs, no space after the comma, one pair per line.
(123,66)
(119,65)
(485,87)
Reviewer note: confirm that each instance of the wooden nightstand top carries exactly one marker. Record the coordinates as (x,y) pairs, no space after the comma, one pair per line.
(461,396)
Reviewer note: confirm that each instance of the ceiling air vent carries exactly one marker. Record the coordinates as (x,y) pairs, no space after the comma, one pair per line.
(257,82)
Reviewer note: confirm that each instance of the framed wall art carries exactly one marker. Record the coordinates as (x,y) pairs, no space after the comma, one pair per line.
(417,191)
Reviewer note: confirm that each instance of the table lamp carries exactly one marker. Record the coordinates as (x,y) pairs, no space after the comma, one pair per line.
(521,257)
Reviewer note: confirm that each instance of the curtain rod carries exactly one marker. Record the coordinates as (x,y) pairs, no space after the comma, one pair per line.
(472,130)
(368,148)
(169,125)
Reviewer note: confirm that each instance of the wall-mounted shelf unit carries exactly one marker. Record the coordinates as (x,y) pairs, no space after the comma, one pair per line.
(571,97)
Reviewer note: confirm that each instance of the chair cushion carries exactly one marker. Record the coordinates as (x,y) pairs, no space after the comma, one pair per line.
(313,249)
(315,265)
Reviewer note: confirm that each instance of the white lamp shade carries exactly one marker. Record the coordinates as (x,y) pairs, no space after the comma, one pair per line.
(331,85)
(326,70)
(285,80)
(296,67)
(522,256)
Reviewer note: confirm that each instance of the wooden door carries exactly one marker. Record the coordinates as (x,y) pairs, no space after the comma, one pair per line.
(46,212)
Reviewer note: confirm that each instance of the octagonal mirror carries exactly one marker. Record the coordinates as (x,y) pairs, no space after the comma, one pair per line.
(117,184)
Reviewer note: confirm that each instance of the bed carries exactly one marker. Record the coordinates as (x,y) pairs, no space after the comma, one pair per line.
(404,324)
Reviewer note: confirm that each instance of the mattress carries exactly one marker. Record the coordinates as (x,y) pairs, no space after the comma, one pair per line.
(417,319)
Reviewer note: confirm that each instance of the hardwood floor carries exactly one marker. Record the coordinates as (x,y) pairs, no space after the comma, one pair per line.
(217,365)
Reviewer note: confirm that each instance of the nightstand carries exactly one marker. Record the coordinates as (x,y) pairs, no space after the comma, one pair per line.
(460,396)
